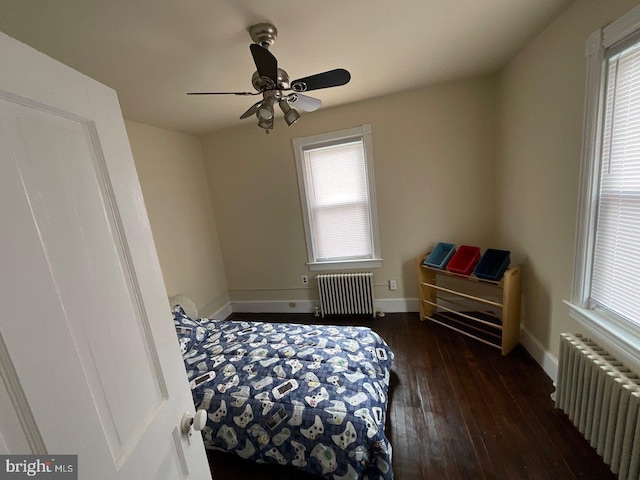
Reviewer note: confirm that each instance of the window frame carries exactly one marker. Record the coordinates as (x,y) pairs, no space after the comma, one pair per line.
(363,132)
(613,329)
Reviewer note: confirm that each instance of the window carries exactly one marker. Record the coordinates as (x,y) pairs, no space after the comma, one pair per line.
(606,290)
(335,175)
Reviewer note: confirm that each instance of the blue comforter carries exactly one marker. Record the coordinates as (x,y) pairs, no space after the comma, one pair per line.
(313,397)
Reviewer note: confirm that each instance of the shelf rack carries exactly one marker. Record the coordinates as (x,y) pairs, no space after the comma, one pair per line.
(488,311)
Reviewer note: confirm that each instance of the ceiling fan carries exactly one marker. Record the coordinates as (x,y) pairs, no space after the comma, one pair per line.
(272,82)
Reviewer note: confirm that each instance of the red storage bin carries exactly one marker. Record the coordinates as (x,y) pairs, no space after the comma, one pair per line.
(464,260)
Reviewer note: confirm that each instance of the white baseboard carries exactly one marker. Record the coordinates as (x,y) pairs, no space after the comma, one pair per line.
(209,311)
(397,305)
(387,305)
(544,357)
(275,306)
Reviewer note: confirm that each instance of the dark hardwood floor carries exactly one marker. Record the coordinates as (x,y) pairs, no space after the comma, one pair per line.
(458,410)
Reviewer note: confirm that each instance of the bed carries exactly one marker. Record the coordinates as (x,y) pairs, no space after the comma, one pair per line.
(309,396)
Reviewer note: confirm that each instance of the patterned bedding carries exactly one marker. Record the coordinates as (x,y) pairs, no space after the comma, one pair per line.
(313,397)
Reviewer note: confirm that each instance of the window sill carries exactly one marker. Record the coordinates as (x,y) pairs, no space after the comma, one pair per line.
(620,335)
(346,264)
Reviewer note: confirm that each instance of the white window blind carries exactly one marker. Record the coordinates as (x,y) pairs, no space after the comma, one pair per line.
(337,195)
(615,283)
(336,179)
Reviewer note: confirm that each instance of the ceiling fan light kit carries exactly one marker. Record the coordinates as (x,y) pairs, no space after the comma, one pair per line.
(291,116)
(271,82)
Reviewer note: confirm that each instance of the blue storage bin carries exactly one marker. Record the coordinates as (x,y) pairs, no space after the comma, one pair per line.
(440,256)
(493,264)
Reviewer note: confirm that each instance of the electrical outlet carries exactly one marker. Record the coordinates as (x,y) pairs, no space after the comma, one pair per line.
(393,284)
(305,279)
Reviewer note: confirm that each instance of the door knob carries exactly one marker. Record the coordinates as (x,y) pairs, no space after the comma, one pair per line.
(198,421)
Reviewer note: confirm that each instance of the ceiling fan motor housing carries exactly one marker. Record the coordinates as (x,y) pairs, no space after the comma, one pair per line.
(260,83)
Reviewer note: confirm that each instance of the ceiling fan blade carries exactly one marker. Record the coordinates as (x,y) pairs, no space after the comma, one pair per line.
(332,78)
(254,108)
(266,63)
(304,102)
(223,93)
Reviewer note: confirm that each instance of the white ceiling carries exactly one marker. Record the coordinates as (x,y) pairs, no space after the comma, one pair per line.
(154,51)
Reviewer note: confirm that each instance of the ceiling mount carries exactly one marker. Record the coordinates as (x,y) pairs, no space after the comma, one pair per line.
(263,34)
(271,82)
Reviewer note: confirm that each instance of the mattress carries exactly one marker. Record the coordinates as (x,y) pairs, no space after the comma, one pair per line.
(313,397)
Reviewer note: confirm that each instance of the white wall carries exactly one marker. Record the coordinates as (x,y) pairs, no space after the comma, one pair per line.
(176,193)
(541,114)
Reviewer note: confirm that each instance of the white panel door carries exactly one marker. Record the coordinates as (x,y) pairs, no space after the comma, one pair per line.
(88,352)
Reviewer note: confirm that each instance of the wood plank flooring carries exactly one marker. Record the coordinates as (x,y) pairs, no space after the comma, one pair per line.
(458,410)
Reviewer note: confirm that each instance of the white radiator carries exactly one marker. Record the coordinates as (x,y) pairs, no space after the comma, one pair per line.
(346,293)
(602,399)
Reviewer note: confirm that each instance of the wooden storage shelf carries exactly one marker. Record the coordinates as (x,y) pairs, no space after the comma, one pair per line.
(486,310)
